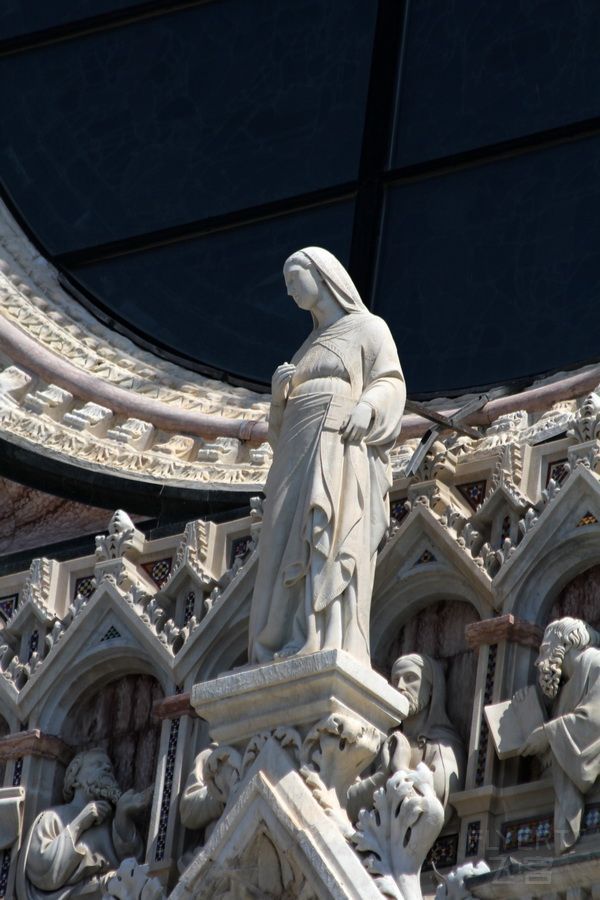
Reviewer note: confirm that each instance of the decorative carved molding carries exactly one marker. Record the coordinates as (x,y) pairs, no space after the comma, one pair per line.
(148,418)
(503,628)
(174,707)
(34,743)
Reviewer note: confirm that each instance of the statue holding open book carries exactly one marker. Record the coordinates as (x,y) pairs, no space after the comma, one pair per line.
(569,675)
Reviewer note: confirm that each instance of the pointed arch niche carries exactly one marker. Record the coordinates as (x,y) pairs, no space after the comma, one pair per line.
(580,598)
(118,718)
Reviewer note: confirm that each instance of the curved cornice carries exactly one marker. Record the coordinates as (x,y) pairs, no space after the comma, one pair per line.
(34,300)
(74,391)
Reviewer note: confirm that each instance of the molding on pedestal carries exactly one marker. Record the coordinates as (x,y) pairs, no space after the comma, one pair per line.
(297,692)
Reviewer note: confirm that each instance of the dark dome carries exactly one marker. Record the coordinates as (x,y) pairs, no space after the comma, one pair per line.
(168,160)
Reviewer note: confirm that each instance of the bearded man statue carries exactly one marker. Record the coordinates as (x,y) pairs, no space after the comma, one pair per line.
(73,849)
(569,674)
(426,735)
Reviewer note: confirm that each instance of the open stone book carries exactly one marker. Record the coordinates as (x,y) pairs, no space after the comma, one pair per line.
(512,721)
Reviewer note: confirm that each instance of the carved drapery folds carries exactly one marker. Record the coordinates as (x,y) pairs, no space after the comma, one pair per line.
(566,740)
(539,491)
(77,846)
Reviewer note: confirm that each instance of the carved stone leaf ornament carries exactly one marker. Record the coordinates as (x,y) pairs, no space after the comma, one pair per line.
(334,753)
(120,538)
(223,769)
(453,885)
(287,737)
(586,422)
(398,832)
(132,882)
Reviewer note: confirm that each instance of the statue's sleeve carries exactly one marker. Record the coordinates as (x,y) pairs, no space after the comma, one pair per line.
(197,807)
(127,840)
(360,794)
(52,856)
(384,388)
(575,737)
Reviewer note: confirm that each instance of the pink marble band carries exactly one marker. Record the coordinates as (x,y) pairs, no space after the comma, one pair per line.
(28,353)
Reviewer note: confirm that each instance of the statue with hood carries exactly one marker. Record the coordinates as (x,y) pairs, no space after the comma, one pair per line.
(426,736)
(336,411)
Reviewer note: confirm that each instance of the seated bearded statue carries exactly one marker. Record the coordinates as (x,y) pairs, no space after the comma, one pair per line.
(569,675)
(72,850)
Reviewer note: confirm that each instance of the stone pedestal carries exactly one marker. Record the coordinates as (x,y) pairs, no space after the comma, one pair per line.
(296,693)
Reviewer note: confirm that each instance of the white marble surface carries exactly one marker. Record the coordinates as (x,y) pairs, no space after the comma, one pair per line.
(297,692)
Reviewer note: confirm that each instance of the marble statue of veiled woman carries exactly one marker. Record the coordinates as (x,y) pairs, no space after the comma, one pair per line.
(335,413)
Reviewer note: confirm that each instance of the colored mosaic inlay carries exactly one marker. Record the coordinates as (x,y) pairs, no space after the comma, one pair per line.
(85,586)
(4,871)
(472,841)
(8,604)
(110,635)
(558,471)
(34,642)
(158,570)
(425,557)
(17,772)
(190,605)
(399,510)
(527,833)
(240,548)
(588,519)
(484,731)
(165,806)
(443,853)
(540,830)
(473,492)
(591,819)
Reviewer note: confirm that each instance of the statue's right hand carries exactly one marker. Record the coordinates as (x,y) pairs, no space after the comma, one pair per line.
(280,381)
(93,813)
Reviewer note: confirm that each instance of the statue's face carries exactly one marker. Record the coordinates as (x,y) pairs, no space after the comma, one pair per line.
(97,777)
(410,681)
(302,283)
(95,763)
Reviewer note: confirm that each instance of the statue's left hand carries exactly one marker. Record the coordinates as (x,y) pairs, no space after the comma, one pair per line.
(357,424)
(536,744)
(131,803)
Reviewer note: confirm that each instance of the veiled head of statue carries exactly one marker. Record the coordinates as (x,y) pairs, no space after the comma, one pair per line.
(306,270)
(92,772)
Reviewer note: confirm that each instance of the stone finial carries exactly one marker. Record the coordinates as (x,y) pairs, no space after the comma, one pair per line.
(123,538)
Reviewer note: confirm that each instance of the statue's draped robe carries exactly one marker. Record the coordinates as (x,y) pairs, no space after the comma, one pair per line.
(327,509)
(574,736)
(443,749)
(434,741)
(53,867)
